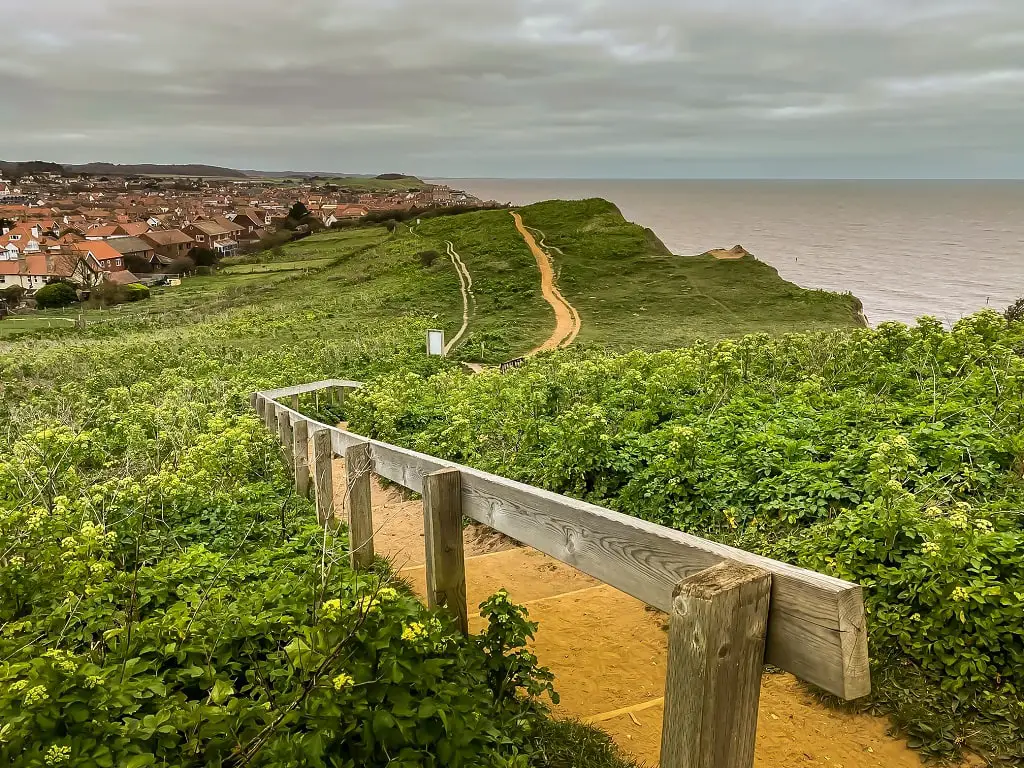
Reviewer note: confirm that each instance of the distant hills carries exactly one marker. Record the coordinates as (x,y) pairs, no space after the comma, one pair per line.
(191,169)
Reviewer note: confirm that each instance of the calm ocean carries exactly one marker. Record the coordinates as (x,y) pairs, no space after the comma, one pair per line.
(904,248)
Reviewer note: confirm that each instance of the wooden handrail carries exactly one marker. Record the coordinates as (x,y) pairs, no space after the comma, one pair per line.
(816,625)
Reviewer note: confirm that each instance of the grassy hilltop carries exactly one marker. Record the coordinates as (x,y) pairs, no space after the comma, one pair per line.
(162,592)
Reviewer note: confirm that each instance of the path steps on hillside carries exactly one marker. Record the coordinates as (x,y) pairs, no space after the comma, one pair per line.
(609,651)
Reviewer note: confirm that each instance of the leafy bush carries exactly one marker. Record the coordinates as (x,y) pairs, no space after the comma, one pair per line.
(427,258)
(183,265)
(109,294)
(1015,312)
(164,601)
(892,457)
(56,295)
(136,292)
(13,295)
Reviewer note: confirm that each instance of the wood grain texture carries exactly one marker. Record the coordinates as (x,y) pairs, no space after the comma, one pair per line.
(358,466)
(284,435)
(717,633)
(300,457)
(323,475)
(445,553)
(817,627)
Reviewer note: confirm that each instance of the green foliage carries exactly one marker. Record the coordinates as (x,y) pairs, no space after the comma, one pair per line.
(1015,312)
(56,295)
(204,257)
(427,258)
(13,295)
(109,294)
(298,211)
(891,457)
(163,601)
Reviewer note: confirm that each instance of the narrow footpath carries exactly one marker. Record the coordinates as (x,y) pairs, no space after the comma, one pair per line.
(567,319)
(608,651)
(466,288)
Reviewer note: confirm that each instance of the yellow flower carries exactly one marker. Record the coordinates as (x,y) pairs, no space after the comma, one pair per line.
(36,695)
(342,681)
(57,754)
(331,609)
(18,685)
(985,526)
(930,548)
(387,593)
(960,595)
(414,631)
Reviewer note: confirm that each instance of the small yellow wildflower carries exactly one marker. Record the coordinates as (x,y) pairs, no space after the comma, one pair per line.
(16,561)
(57,755)
(331,609)
(958,520)
(930,548)
(415,631)
(62,660)
(985,526)
(342,681)
(388,593)
(960,595)
(36,695)
(18,685)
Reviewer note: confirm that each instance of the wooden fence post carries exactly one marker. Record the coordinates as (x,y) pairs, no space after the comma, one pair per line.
(323,475)
(446,559)
(716,644)
(295,402)
(270,414)
(358,465)
(284,435)
(300,442)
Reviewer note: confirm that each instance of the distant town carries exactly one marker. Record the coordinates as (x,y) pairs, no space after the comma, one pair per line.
(88,229)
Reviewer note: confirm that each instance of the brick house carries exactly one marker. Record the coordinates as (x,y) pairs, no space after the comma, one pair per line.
(168,245)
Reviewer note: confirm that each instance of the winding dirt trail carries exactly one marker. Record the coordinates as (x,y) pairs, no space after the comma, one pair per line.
(466,287)
(567,319)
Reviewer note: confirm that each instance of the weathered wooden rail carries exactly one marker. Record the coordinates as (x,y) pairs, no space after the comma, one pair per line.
(731,611)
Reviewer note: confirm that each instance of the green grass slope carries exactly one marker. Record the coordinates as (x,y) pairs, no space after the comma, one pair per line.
(631,292)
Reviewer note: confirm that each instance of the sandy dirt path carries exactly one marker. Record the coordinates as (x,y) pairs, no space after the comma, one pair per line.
(567,319)
(466,287)
(609,651)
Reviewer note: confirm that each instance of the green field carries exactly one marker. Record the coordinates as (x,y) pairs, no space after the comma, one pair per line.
(631,292)
(889,456)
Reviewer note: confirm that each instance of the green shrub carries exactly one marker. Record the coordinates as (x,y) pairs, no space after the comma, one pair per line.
(427,258)
(891,457)
(56,295)
(13,295)
(136,292)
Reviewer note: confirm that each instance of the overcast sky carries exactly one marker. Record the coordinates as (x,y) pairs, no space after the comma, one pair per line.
(522,88)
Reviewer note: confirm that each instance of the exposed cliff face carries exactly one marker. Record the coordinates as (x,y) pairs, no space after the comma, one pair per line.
(736,252)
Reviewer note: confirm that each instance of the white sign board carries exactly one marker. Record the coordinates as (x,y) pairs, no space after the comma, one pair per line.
(435,343)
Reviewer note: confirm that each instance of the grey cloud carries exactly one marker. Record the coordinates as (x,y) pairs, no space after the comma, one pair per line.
(525,87)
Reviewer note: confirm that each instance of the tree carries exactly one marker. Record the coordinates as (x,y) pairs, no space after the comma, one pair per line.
(13,295)
(182,265)
(138,265)
(298,212)
(204,257)
(56,295)
(1015,312)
